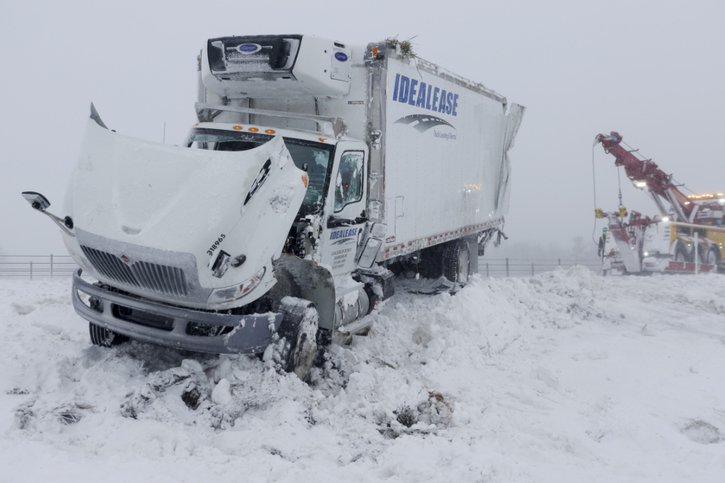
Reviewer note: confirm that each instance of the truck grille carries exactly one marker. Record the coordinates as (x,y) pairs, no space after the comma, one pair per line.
(159,278)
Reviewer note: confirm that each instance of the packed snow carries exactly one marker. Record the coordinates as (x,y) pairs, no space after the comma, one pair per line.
(564,376)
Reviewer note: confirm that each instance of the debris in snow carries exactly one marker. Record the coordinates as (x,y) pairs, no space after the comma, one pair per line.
(431,414)
(65,414)
(191,396)
(702,432)
(192,366)
(137,401)
(436,410)
(277,452)
(222,393)
(69,414)
(406,416)
(24,414)
(160,381)
(22,309)
(17,391)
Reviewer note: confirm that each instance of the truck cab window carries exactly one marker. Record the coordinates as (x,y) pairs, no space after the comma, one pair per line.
(217,140)
(349,181)
(315,158)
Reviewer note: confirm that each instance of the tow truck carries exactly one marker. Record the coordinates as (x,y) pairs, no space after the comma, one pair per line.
(686,236)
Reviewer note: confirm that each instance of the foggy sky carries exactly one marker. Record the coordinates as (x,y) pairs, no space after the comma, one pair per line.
(652,70)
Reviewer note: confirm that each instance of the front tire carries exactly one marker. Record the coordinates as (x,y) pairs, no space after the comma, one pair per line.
(681,253)
(103,337)
(299,329)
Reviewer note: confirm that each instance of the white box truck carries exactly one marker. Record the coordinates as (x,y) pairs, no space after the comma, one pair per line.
(315,169)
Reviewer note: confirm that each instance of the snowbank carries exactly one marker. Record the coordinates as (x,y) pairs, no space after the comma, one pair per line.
(565,376)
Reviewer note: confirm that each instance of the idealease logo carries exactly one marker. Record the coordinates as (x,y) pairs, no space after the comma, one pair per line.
(344,233)
(419,94)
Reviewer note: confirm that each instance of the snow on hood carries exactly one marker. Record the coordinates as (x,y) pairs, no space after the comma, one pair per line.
(184,200)
(126,188)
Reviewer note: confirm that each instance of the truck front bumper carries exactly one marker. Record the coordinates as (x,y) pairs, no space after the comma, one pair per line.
(172,326)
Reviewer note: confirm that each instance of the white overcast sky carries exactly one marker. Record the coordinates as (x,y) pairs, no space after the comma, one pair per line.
(652,70)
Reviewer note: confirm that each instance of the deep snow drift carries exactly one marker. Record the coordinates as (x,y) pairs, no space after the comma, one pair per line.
(565,376)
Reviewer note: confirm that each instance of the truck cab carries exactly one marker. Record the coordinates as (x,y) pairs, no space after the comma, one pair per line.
(332,213)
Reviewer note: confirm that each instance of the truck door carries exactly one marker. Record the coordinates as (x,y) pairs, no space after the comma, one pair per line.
(347,199)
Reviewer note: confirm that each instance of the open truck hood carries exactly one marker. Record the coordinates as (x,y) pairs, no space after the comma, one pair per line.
(138,201)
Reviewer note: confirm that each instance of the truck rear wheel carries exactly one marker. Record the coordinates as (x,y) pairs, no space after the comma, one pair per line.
(712,257)
(299,328)
(457,262)
(103,337)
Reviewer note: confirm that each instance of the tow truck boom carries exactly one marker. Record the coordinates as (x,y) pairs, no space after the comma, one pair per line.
(645,174)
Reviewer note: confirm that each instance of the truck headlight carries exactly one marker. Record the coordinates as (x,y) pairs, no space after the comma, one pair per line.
(227,294)
(90,301)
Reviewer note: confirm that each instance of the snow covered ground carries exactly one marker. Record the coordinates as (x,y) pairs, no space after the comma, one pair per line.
(561,377)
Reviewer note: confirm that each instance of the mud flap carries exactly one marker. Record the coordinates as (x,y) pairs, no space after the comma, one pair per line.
(311,282)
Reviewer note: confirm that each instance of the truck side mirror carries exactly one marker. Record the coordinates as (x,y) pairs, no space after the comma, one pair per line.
(36,200)
(41,203)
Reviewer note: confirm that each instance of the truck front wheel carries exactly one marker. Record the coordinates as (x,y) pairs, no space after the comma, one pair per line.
(299,329)
(103,337)
(457,262)
(681,253)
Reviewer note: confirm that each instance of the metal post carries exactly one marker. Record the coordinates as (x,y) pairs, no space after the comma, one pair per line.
(697,257)
(31,270)
(507,266)
(532,269)
(558,260)
(51,265)
(487,274)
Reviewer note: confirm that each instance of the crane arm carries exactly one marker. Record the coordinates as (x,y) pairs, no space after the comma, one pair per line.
(645,174)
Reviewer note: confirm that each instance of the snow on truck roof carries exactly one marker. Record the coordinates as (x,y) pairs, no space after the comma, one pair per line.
(459,80)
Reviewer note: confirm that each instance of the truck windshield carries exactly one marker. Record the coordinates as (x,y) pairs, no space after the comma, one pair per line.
(307,155)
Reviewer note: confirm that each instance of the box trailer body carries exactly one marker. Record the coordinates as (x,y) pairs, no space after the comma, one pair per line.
(438,142)
(314,167)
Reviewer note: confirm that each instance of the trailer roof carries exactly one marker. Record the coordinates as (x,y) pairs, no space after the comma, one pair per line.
(457,79)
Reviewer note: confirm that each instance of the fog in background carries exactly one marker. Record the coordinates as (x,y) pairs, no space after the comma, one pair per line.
(652,70)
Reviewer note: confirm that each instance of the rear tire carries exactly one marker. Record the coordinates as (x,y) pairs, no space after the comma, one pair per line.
(712,257)
(457,262)
(103,337)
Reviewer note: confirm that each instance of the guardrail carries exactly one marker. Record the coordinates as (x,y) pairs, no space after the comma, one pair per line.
(36,266)
(520,267)
(50,266)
